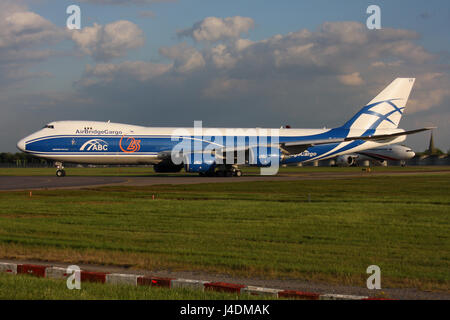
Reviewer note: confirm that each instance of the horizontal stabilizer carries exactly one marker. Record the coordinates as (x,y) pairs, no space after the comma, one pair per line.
(388,136)
(295,147)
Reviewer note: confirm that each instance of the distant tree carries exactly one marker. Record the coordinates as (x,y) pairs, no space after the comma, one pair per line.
(435,152)
(432,150)
(21,159)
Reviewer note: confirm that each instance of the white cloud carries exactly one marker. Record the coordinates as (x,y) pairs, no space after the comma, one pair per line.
(22,34)
(137,70)
(347,32)
(352,79)
(21,28)
(307,56)
(186,58)
(387,64)
(241,44)
(24,29)
(214,29)
(222,58)
(109,41)
(296,55)
(430,90)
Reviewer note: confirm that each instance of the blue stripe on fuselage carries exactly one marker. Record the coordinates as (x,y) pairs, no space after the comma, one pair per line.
(153,144)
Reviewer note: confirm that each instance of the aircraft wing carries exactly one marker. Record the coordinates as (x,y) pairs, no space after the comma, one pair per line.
(389,136)
(295,147)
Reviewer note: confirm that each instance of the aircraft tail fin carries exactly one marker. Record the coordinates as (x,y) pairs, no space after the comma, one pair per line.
(386,109)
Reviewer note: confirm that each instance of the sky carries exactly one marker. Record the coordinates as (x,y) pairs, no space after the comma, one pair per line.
(247,63)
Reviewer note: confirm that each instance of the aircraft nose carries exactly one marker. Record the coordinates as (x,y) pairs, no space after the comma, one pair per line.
(21,145)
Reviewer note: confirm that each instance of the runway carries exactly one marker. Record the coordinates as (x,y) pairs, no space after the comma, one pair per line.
(8,183)
(13,183)
(40,182)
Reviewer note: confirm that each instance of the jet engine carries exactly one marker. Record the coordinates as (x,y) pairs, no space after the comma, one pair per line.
(346,160)
(264,157)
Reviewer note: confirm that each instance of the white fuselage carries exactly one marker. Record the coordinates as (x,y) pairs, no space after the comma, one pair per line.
(114,143)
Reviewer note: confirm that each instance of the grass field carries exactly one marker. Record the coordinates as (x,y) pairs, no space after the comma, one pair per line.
(24,287)
(316,230)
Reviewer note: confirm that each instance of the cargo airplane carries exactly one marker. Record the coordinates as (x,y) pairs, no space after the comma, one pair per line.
(377,155)
(92,142)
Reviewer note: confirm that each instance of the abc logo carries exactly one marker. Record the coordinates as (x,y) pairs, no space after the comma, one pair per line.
(95,145)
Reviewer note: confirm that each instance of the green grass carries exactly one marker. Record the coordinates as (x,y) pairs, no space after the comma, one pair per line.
(256,229)
(24,287)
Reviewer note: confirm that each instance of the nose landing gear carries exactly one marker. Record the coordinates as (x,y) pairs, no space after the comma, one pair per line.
(60,172)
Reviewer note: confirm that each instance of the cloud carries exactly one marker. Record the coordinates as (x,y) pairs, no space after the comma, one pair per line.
(215,29)
(327,52)
(23,33)
(279,65)
(103,73)
(352,79)
(431,90)
(387,64)
(21,28)
(110,41)
(186,58)
(24,29)
(222,58)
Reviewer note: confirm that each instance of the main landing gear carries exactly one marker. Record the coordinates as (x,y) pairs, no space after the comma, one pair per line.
(60,172)
(223,171)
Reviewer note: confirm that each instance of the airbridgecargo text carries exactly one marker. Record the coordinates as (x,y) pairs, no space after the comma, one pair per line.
(95,131)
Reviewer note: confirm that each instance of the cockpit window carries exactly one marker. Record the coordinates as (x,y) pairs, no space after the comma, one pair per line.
(49,126)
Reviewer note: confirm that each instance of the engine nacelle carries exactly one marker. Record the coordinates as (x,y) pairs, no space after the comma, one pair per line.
(197,163)
(346,160)
(264,157)
(167,166)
